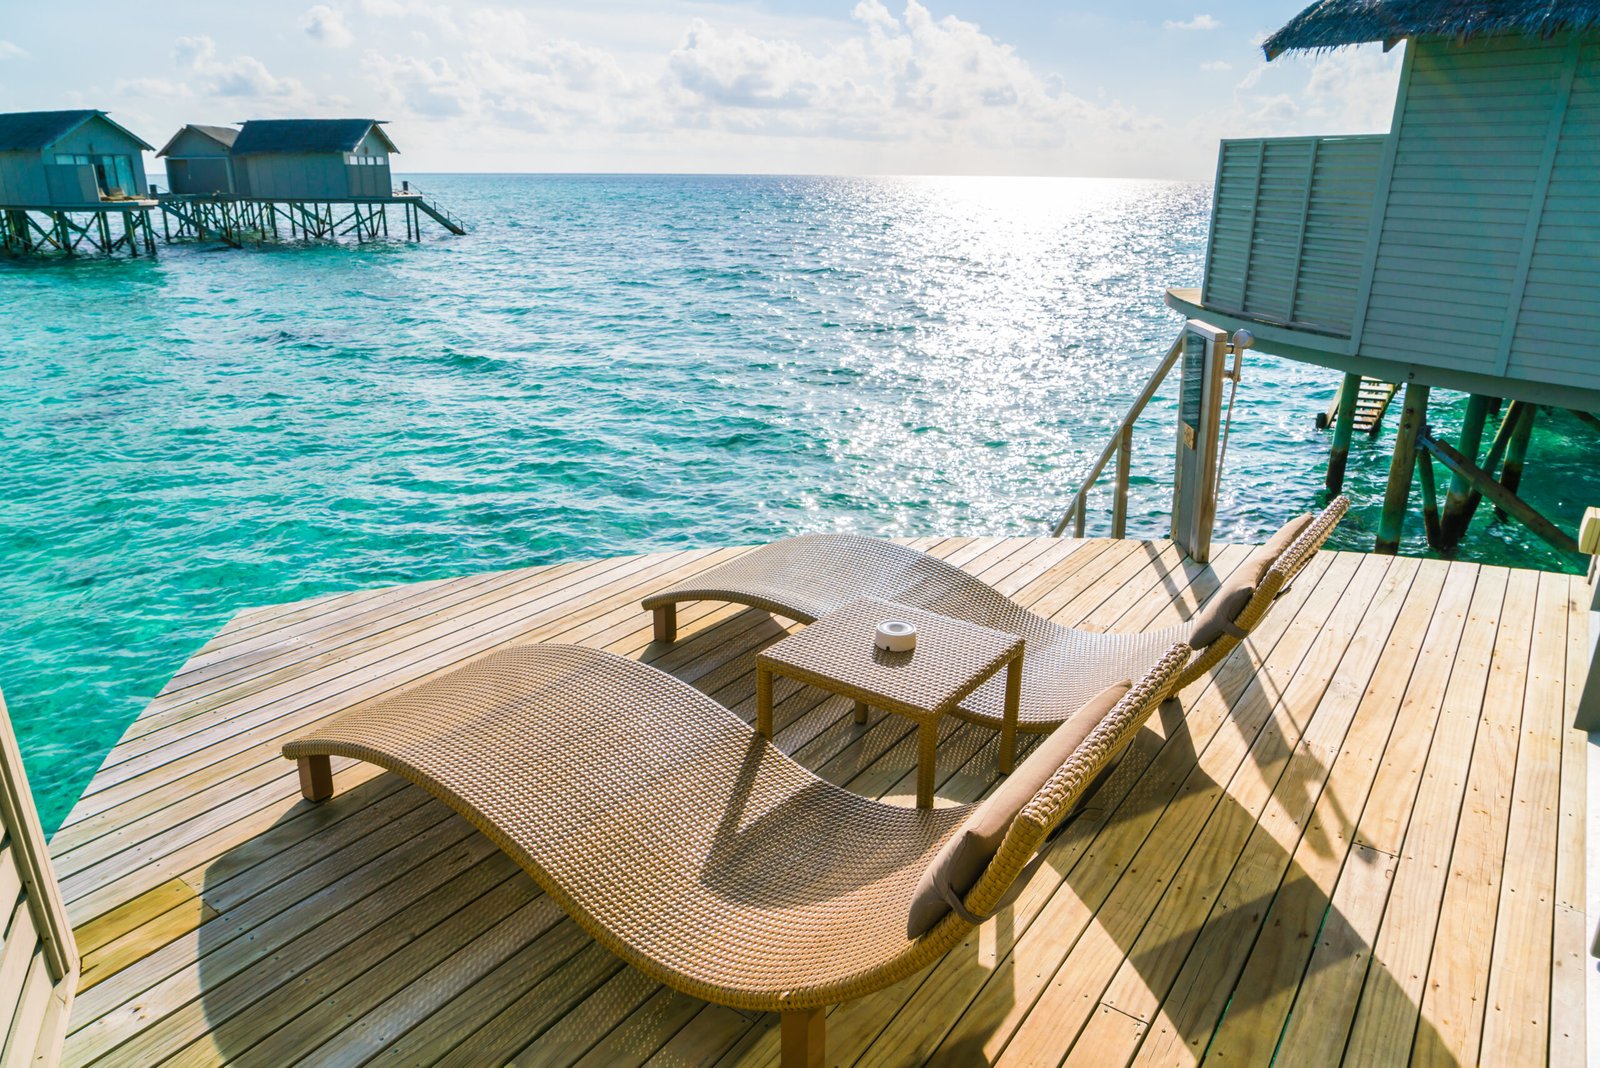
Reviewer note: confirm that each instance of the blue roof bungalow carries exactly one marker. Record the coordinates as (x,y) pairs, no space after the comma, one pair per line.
(198,160)
(312,159)
(68,160)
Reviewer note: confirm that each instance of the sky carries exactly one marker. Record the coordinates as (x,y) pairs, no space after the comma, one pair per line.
(1132,89)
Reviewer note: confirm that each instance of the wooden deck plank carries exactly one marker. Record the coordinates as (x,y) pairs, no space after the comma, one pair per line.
(1318,770)
(1187,1018)
(1516,1026)
(1387,1016)
(1047,913)
(1458,973)
(1195,844)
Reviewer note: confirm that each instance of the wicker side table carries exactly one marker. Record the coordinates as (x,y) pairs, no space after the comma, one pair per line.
(952,658)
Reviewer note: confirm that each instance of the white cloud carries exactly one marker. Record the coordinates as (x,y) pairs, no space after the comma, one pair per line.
(326,25)
(1217,64)
(152,88)
(913,89)
(1199,22)
(239,76)
(12,51)
(1349,91)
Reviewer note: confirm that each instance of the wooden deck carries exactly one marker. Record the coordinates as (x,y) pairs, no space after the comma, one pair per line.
(1361,839)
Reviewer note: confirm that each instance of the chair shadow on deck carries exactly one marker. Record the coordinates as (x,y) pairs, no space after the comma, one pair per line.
(381,921)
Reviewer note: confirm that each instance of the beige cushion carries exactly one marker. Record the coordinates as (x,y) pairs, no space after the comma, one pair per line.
(1226,604)
(956,867)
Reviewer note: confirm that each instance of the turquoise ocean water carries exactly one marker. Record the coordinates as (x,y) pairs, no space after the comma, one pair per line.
(605,365)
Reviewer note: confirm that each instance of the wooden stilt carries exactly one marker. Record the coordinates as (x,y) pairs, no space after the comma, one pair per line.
(1458,506)
(1514,414)
(1485,483)
(1343,427)
(1516,454)
(1430,496)
(1401,465)
(804,1038)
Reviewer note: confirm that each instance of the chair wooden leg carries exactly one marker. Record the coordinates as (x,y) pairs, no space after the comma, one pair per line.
(666,623)
(804,1038)
(861,711)
(927,761)
(316,778)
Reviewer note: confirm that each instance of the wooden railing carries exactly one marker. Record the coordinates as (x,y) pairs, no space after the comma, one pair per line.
(1121,447)
(39,963)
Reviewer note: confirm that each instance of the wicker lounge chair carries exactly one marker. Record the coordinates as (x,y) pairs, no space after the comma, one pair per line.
(695,849)
(806,577)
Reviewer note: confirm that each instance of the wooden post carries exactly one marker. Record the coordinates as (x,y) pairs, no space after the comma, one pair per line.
(1512,419)
(1343,427)
(1458,504)
(1430,497)
(1401,464)
(1514,505)
(1516,453)
(803,1035)
(1119,501)
(316,777)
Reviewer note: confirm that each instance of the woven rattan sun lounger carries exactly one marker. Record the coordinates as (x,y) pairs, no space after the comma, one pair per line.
(806,577)
(695,849)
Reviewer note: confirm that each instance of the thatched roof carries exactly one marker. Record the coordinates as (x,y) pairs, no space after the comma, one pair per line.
(1334,23)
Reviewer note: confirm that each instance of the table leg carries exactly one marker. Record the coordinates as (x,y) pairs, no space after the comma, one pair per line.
(927,759)
(1008,725)
(861,711)
(764,701)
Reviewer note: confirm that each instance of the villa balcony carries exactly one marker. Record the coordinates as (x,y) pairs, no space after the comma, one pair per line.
(1359,838)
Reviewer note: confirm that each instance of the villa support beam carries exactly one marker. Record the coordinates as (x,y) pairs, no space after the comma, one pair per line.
(1343,428)
(1450,535)
(1484,483)
(1458,507)
(1588,419)
(1430,497)
(1401,465)
(1517,453)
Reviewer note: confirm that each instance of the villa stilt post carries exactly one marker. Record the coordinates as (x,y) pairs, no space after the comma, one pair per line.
(1515,412)
(1458,503)
(1401,465)
(1430,496)
(1517,453)
(1343,427)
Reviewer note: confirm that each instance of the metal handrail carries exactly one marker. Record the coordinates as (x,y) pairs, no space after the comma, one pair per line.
(1120,446)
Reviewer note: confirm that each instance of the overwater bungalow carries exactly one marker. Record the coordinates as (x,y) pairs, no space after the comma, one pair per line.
(199,160)
(1457,251)
(312,159)
(63,174)
(1121,801)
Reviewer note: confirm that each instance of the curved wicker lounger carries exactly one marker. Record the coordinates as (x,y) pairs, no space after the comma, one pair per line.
(806,577)
(683,841)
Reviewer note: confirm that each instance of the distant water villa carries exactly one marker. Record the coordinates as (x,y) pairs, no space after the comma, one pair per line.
(310,178)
